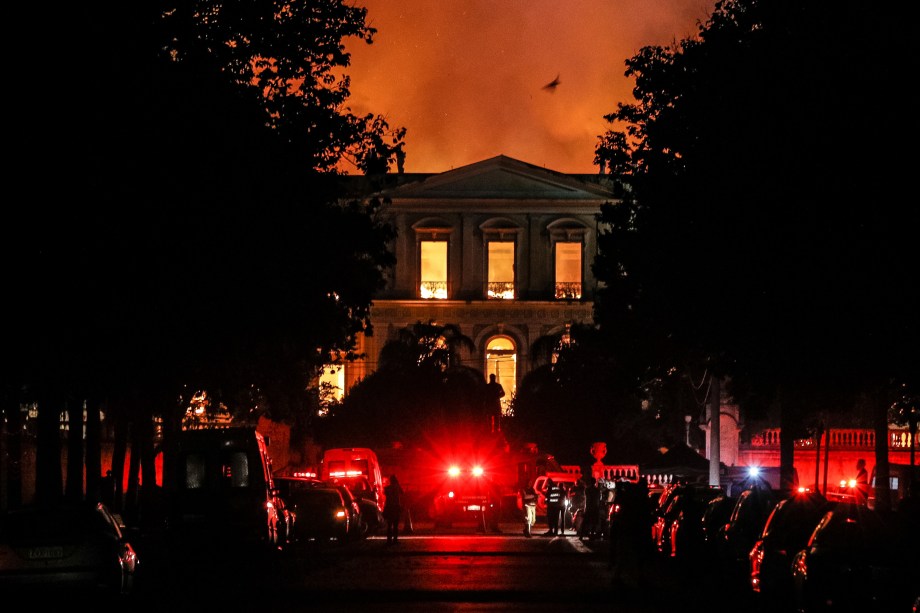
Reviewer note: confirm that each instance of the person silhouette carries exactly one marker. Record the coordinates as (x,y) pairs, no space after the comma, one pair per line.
(862,482)
(392,508)
(528,500)
(494,394)
(555,501)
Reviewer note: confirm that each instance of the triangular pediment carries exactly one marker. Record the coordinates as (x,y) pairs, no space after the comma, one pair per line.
(502,177)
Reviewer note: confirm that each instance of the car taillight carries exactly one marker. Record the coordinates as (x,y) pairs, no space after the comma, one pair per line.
(340,514)
(128,558)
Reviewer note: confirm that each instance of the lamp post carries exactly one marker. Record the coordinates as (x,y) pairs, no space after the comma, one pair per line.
(687,419)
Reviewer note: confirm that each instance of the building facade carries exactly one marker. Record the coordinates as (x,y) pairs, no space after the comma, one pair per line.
(501,249)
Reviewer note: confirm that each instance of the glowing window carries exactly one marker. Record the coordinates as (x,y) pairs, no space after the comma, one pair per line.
(501,361)
(433,283)
(568,271)
(501,270)
(332,382)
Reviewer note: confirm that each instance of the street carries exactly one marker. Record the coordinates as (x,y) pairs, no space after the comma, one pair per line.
(457,569)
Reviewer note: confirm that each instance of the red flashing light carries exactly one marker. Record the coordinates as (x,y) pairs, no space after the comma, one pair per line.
(450,494)
(477,471)
(346,473)
(304,474)
(453,471)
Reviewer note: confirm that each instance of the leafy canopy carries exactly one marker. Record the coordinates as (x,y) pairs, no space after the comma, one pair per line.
(766,237)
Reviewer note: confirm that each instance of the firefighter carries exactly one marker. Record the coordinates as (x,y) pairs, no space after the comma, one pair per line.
(555,505)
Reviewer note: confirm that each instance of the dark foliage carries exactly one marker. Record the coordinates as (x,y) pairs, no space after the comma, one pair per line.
(190,234)
(766,238)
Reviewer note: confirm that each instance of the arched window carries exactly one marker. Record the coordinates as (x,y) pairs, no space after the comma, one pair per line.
(501,361)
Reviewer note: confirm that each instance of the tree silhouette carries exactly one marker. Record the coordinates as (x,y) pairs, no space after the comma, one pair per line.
(421,385)
(763,239)
(214,250)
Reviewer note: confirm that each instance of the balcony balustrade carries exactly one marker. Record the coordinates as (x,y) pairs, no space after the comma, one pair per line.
(433,289)
(844,438)
(500,290)
(568,291)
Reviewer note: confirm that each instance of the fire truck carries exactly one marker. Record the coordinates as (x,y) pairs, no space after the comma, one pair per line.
(461,475)
(465,477)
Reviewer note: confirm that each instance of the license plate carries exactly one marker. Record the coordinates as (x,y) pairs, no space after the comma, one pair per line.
(44,553)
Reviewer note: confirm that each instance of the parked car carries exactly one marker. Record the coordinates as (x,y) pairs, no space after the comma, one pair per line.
(363,516)
(744,527)
(683,538)
(785,533)
(320,514)
(63,549)
(368,500)
(659,507)
(357,527)
(858,560)
(718,512)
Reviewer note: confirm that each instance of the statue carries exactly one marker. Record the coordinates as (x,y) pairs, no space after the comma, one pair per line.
(598,451)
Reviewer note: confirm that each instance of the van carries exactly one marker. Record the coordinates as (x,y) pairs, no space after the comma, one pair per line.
(220,492)
(898,481)
(568,476)
(352,466)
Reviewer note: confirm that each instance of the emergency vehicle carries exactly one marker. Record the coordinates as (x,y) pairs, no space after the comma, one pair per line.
(567,477)
(356,467)
(468,493)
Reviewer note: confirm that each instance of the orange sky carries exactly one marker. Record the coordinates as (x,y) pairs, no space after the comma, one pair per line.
(466,77)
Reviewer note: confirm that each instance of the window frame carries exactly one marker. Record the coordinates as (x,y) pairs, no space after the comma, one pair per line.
(499,291)
(432,236)
(559,291)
